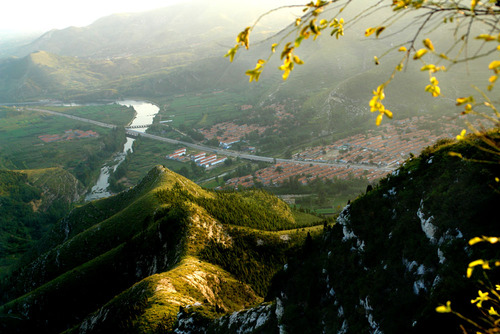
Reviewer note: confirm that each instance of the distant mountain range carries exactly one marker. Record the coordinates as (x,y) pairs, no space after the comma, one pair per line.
(195,26)
(137,54)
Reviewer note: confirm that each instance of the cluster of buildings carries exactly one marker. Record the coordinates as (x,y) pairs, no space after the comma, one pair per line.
(282,172)
(229,133)
(201,159)
(388,147)
(68,135)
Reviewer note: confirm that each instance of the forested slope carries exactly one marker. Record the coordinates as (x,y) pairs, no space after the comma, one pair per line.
(146,252)
(395,254)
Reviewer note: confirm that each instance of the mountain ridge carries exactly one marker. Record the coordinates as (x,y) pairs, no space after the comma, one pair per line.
(152,229)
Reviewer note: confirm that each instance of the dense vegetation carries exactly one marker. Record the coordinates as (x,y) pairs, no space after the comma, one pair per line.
(395,253)
(255,209)
(168,226)
(31,202)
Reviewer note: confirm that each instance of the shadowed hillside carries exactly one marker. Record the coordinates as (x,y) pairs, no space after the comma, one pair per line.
(395,254)
(181,244)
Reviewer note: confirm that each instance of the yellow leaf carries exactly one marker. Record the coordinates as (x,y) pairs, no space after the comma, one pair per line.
(231,53)
(444,308)
(486,37)
(461,136)
(428,67)
(455,154)
(379,119)
(462,100)
(388,113)
(492,240)
(494,64)
(402,49)
(428,44)
(375,58)
(483,296)
(476,263)
(243,37)
(369,31)
(493,78)
(473,4)
(492,311)
(297,60)
(474,240)
(419,53)
(273,47)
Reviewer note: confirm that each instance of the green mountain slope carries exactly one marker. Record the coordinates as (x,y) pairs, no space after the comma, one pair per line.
(166,231)
(395,254)
(31,202)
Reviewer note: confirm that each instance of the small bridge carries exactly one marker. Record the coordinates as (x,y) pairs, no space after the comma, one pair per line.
(138,126)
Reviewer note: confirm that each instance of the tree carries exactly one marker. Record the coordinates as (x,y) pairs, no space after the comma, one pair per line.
(475,33)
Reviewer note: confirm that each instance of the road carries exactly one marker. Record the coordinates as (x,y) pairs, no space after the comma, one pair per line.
(86,120)
(234,154)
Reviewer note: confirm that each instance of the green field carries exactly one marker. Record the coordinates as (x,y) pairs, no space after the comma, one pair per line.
(203,109)
(20,147)
(107,113)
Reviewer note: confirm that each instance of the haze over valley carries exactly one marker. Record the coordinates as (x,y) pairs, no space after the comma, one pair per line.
(148,187)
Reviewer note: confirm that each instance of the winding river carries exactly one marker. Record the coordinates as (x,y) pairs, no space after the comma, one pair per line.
(144,114)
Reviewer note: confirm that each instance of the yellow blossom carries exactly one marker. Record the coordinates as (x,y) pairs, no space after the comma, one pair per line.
(483,296)
(492,311)
(444,308)
(461,136)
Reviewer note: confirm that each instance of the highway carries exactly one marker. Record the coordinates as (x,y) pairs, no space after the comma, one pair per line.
(229,153)
(86,120)
(252,157)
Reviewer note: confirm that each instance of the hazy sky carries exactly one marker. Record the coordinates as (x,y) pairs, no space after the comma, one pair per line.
(43,15)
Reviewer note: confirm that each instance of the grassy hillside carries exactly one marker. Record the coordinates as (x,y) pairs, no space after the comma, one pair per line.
(165,236)
(31,203)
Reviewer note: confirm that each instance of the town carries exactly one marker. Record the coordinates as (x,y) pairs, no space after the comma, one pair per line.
(370,155)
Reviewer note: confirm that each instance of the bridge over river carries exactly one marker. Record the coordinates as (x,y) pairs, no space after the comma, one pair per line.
(138,126)
(235,154)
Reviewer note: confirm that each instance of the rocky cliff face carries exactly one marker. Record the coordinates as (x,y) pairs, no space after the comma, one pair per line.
(395,254)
